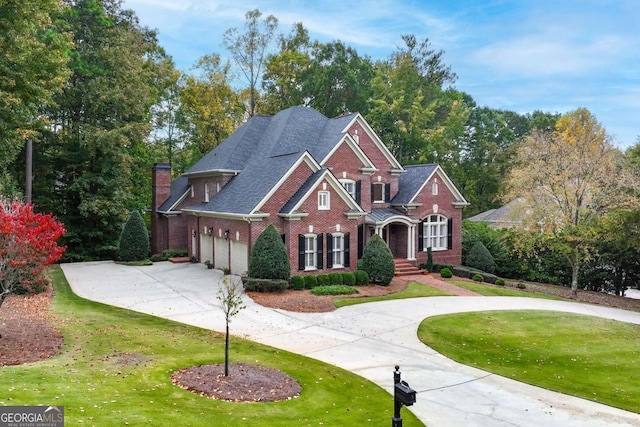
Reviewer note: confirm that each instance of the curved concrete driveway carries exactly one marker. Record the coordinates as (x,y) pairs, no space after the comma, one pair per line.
(368,339)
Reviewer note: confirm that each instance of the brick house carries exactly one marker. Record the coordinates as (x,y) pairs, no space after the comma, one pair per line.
(327,185)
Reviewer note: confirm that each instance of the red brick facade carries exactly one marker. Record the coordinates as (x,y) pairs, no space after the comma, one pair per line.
(362,160)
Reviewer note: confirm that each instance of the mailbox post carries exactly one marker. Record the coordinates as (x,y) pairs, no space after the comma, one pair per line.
(402,395)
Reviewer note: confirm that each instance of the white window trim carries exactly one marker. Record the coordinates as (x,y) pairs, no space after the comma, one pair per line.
(382,185)
(206,192)
(434,189)
(307,252)
(349,182)
(340,237)
(324,200)
(437,242)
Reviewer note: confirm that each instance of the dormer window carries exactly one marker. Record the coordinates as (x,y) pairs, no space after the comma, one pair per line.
(323,200)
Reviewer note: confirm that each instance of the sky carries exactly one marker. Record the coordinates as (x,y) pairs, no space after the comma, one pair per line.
(520,55)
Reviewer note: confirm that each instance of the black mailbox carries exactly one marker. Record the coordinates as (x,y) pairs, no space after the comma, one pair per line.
(405,394)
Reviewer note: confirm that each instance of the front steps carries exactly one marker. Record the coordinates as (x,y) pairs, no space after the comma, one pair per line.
(405,268)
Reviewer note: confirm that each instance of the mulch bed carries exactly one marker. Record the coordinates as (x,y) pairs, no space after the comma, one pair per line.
(26,334)
(245,383)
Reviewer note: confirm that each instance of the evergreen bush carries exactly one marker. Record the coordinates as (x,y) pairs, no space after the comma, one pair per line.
(377,261)
(265,285)
(500,282)
(134,239)
(348,278)
(323,280)
(479,257)
(335,279)
(362,278)
(269,258)
(446,273)
(297,283)
(478,277)
(310,282)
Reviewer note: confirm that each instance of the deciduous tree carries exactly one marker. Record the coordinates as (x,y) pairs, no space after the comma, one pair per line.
(249,49)
(28,243)
(230,299)
(568,178)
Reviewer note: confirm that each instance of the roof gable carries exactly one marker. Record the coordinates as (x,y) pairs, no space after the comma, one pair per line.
(357,118)
(412,182)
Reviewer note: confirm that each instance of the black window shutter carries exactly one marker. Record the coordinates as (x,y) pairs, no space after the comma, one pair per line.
(300,251)
(358,191)
(319,249)
(372,187)
(421,236)
(347,246)
(450,233)
(283,237)
(387,192)
(329,250)
(360,240)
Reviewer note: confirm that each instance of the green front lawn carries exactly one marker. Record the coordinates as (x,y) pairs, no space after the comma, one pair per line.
(501,291)
(583,356)
(413,290)
(115,366)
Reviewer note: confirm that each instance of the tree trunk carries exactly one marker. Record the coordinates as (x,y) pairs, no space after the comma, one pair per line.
(575,264)
(226,353)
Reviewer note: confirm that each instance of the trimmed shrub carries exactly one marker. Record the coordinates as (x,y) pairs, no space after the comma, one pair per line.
(377,261)
(169,253)
(362,278)
(461,272)
(478,277)
(335,279)
(489,278)
(297,283)
(134,239)
(500,282)
(348,278)
(334,290)
(310,282)
(521,285)
(265,285)
(323,280)
(479,257)
(269,258)
(446,273)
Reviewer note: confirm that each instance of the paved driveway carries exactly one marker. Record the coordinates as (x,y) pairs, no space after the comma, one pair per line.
(368,339)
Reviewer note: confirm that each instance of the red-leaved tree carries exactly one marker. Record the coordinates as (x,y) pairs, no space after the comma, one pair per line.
(28,243)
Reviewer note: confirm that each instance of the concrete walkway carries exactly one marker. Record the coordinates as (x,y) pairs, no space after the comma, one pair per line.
(368,339)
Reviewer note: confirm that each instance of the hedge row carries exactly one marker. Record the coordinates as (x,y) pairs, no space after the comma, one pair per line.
(265,285)
(348,278)
(466,272)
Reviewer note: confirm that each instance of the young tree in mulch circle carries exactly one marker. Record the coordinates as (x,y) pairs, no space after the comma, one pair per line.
(28,243)
(269,258)
(230,298)
(134,239)
(377,261)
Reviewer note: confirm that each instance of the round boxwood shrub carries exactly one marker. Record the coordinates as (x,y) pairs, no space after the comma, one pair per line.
(297,283)
(446,273)
(335,279)
(480,258)
(377,261)
(362,278)
(323,280)
(310,282)
(348,278)
(134,239)
(500,282)
(478,277)
(269,258)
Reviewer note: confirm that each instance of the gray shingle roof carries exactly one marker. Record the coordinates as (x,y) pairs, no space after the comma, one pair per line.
(381,215)
(411,182)
(263,150)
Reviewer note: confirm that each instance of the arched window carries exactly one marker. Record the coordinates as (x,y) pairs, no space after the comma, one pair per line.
(435,232)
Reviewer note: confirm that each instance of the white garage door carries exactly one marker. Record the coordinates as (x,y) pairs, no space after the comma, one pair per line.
(206,248)
(239,261)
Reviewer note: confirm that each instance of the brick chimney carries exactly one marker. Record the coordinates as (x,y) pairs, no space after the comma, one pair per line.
(160,191)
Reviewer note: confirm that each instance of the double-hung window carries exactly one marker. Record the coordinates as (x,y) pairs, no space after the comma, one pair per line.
(378,195)
(338,250)
(310,256)
(435,232)
(323,200)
